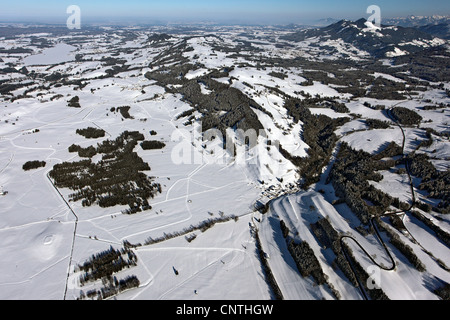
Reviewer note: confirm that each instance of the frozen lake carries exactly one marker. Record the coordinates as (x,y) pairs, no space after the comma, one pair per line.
(60,53)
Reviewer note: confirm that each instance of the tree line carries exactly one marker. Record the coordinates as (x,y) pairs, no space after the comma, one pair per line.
(202,226)
(152,144)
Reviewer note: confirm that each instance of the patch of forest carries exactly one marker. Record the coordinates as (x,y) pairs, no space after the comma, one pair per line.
(106,263)
(158,37)
(117,179)
(237,106)
(74,102)
(152,144)
(226,107)
(435,182)
(329,238)
(377,124)
(318,133)
(305,260)
(102,266)
(125,112)
(91,133)
(6,88)
(356,77)
(430,64)
(350,175)
(406,116)
(29,165)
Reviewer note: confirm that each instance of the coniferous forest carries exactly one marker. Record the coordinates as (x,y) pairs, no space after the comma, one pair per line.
(102,266)
(33,165)
(117,179)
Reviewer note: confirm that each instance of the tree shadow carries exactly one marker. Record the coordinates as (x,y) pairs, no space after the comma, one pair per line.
(433,283)
(281,244)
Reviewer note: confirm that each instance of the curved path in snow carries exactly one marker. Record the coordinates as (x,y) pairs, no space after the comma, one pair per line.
(400,212)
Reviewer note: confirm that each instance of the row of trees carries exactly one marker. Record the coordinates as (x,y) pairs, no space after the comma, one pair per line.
(91,133)
(202,226)
(152,144)
(330,238)
(268,275)
(405,249)
(442,234)
(29,165)
(306,260)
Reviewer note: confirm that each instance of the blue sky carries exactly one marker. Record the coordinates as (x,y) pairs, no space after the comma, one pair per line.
(252,11)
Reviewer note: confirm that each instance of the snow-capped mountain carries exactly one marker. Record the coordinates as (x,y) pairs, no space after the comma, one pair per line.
(435,25)
(377,41)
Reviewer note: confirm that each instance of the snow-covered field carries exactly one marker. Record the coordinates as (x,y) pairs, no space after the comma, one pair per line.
(38,227)
(45,236)
(300,210)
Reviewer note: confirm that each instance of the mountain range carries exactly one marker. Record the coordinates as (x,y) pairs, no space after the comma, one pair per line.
(378,41)
(417,21)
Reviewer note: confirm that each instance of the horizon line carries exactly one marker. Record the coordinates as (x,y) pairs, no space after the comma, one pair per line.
(140,20)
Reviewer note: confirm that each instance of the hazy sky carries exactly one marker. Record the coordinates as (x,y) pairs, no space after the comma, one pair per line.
(250,11)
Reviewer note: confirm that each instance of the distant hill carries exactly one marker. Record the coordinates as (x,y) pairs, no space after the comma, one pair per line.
(441,30)
(436,25)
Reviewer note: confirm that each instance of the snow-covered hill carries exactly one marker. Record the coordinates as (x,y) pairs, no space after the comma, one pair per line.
(199,141)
